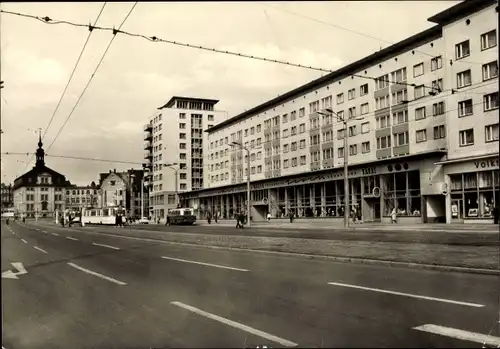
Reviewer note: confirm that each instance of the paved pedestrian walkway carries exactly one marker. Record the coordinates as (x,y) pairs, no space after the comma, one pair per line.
(338,224)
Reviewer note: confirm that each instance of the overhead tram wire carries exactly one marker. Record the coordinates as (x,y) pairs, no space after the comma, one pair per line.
(74,68)
(71,76)
(48,20)
(115,31)
(356,32)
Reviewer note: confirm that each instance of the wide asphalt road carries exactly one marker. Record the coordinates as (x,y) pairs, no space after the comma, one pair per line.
(480,238)
(80,289)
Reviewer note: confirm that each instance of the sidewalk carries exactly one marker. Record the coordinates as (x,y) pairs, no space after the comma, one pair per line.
(334,225)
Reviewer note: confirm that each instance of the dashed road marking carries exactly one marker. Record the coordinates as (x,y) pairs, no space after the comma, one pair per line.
(71,238)
(39,249)
(460,334)
(108,246)
(24,241)
(43,231)
(55,234)
(237,325)
(97,274)
(411,295)
(201,263)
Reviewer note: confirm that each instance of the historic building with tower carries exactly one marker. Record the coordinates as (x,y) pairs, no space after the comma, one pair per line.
(40,191)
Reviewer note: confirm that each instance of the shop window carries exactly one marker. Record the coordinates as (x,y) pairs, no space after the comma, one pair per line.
(402,191)
(456,182)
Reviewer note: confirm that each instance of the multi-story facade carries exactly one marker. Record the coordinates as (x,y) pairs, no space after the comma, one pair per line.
(406,109)
(40,191)
(123,189)
(6,196)
(78,197)
(174,153)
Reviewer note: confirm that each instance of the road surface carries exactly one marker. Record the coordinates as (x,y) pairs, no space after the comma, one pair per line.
(481,238)
(79,289)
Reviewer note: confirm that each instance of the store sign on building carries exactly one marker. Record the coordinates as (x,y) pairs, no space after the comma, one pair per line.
(490,163)
(369,171)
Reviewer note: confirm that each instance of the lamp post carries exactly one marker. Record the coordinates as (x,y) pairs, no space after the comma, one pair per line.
(248,179)
(347,208)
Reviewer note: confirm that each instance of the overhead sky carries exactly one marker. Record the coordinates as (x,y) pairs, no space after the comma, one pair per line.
(137,76)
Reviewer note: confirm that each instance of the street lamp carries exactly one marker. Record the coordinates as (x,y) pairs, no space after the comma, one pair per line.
(347,208)
(239,144)
(171,166)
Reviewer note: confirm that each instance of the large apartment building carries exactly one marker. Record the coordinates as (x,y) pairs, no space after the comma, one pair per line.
(421,121)
(174,143)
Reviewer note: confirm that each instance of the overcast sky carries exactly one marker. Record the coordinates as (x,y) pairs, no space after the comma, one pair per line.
(137,76)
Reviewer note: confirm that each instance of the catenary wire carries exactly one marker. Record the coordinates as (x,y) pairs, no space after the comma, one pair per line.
(49,20)
(357,32)
(71,76)
(92,76)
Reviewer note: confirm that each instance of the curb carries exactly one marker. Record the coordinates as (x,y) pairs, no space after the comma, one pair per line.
(357,260)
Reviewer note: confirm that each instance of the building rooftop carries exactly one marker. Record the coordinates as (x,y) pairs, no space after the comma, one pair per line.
(389,52)
(172,101)
(460,10)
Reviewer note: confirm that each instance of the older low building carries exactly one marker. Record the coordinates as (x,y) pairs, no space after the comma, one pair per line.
(6,196)
(123,189)
(40,191)
(78,197)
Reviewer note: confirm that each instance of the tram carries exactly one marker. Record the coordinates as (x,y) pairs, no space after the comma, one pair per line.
(104,216)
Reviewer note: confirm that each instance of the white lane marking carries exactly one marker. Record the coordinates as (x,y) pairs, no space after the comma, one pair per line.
(408,295)
(39,249)
(71,238)
(37,229)
(108,246)
(43,231)
(55,234)
(237,325)
(24,241)
(207,264)
(459,334)
(97,274)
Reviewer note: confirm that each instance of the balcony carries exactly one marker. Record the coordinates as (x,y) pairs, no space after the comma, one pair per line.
(148,136)
(148,127)
(148,146)
(148,155)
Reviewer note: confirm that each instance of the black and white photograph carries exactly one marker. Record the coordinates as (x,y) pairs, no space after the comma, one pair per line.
(250,174)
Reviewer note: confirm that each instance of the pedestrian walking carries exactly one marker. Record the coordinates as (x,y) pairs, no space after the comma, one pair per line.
(394,215)
(216,216)
(290,215)
(269,217)
(209,218)
(495,214)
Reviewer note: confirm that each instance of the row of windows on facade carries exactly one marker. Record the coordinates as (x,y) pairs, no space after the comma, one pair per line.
(490,102)
(490,70)
(43,197)
(382,143)
(44,189)
(488,40)
(194,105)
(81,191)
(399,139)
(465,108)
(159,187)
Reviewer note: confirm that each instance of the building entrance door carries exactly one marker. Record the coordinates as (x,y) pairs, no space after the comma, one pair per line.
(456,209)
